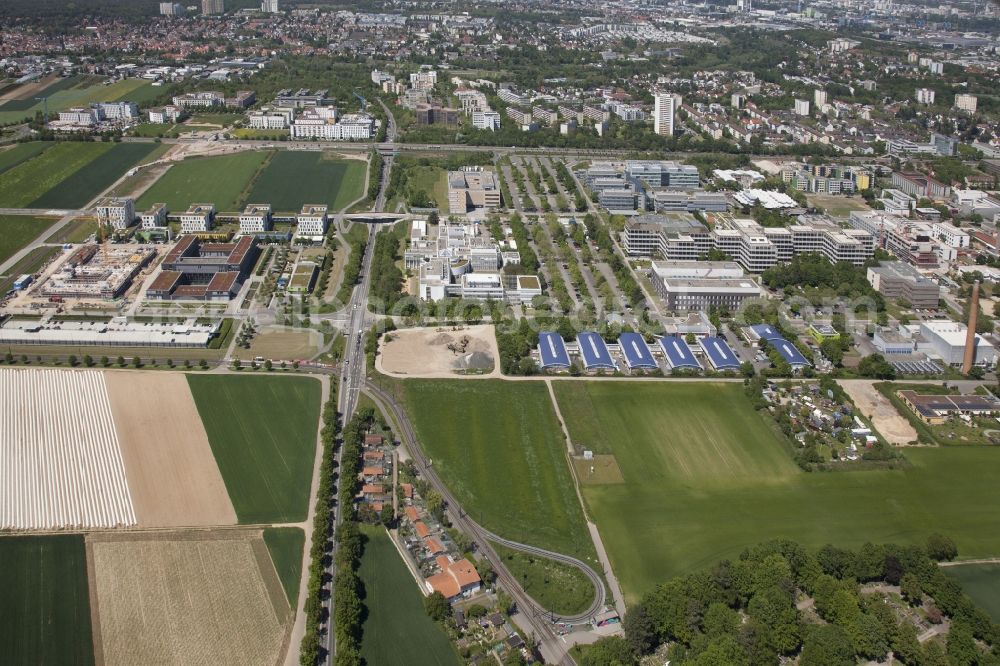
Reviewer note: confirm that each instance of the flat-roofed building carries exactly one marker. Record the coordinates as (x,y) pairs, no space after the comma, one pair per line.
(197,218)
(472,188)
(312,220)
(155,217)
(118,212)
(255,219)
(199,100)
(672,236)
(898,280)
(946,340)
(699,285)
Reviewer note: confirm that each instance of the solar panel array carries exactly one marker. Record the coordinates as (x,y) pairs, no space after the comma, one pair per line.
(594,351)
(719,354)
(917,368)
(678,353)
(552,350)
(636,351)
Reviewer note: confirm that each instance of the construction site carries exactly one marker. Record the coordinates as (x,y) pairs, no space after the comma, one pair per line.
(89,272)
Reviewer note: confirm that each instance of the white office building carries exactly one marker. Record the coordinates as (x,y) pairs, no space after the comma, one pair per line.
(966,102)
(925,96)
(322,123)
(665,106)
(255,219)
(119,212)
(802,106)
(155,217)
(270,119)
(487,120)
(197,218)
(312,221)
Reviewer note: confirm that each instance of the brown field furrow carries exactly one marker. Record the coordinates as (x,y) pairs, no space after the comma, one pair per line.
(185,600)
(171,471)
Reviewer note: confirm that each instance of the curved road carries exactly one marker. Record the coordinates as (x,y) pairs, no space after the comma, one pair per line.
(540,619)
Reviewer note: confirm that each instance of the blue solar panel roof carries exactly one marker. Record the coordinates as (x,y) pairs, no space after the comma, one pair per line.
(767,332)
(636,351)
(678,353)
(552,350)
(719,353)
(788,352)
(594,351)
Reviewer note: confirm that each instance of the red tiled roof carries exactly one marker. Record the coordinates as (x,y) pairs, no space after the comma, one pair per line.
(421,529)
(433,545)
(411,513)
(165,281)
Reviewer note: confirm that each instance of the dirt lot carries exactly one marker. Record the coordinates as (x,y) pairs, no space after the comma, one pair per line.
(601,470)
(439,352)
(893,425)
(171,471)
(283,345)
(185,598)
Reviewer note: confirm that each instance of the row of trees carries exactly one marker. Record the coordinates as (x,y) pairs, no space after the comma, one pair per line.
(744,611)
(319,553)
(386,278)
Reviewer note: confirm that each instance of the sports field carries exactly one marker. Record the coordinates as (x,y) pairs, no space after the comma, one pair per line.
(263,434)
(982,583)
(293,178)
(396,630)
(44,608)
(68,174)
(704,478)
(498,446)
(77,91)
(220,180)
(285,545)
(16,231)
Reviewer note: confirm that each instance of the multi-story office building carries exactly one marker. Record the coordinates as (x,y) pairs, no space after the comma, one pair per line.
(922,244)
(212,7)
(472,188)
(270,119)
(269,6)
(701,285)
(200,100)
(312,221)
(899,280)
(197,218)
(255,219)
(172,9)
(155,217)
(487,120)
(119,212)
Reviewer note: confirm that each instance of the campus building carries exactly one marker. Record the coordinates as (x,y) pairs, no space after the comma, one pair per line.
(118,212)
(312,221)
(255,219)
(472,188)
(700,285)
(193,270)
(197,218)
(898,280)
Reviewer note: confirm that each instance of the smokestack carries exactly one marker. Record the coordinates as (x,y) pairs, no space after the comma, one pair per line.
(970,336)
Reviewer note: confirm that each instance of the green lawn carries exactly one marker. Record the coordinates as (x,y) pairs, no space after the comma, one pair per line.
(16,231)
(220,180)
(285,545)
(22,152)
(397,630)
(982,583)
(263,434)
(44,608)
(77,91)
(704,478)
(430,179)
(556,587)
(94,177)
(293,178)
(498,446)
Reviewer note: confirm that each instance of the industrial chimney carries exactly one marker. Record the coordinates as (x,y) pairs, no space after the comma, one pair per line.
(970,336)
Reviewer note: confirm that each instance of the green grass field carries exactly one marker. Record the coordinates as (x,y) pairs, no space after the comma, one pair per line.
(982,583)
(704,478)
(557,587)
(263,434)
(44,608)
(93,178)
(77,91)
(285,545)
(293,178)
(16,231)
(498,446)
(220,180)
(430,179)
(21,152)
(397,630)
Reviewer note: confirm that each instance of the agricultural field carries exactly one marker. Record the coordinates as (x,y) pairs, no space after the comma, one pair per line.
(982,583)
(263,433)
(88,182)
(498,446)
(21,152)
(16,231)
(705,477)
(186,598)
(77,91)
(68,174)
(294,178)
(44,608)
(285,545)
(77,231)
(221,180)
(397,630)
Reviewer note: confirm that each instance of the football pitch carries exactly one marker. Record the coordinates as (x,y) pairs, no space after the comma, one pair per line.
(498,446)
(704,477)
(220,180)
(45,607)
(263,433)
(396,629)
(294,178)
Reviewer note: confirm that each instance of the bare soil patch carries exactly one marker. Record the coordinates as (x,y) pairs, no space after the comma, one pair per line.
(887,420)
(440,352)
(602,470)
(172,474)
(187,598)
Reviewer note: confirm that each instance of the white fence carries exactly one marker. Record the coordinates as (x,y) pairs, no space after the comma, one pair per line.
(60,462)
